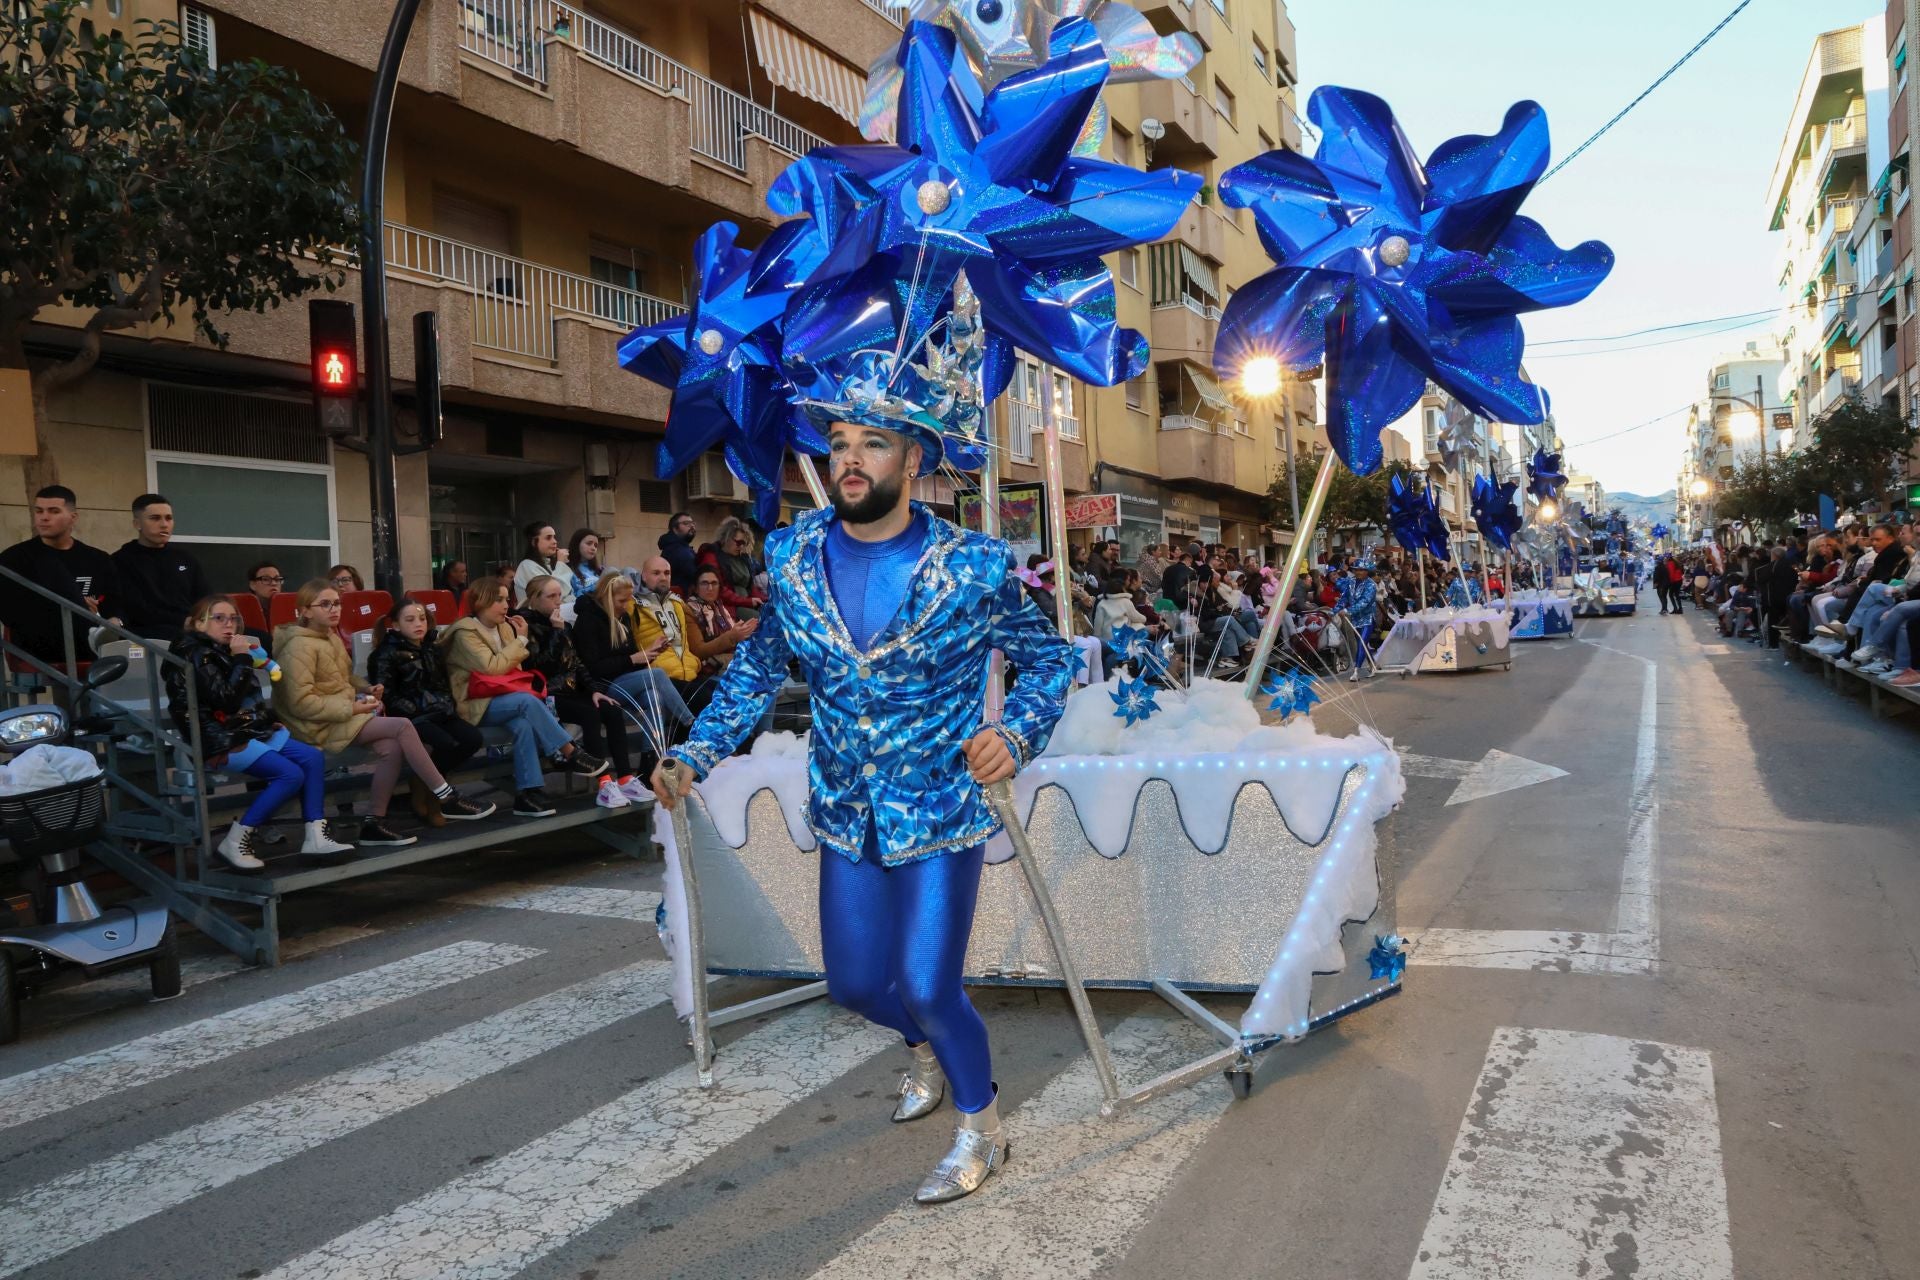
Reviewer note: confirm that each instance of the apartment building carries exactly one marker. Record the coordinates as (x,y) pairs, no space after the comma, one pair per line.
(1818,192)
(1496,450)
(551,166)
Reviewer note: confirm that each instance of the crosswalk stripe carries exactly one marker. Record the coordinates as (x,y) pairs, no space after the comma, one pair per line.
(1077,1187)
(566,899)
(501,1218)
(1583,1155)
(82,1206)
(48,1090)
(195,970)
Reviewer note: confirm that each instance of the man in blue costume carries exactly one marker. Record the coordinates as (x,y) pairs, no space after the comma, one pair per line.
(1360,601)
(891,614)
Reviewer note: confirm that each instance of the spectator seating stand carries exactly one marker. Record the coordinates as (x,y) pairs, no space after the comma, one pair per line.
(1884,699)
(165,814)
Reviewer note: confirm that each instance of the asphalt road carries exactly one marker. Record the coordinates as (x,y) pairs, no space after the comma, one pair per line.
(1663,1021)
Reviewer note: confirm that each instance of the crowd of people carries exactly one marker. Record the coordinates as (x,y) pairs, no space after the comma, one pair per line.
(1846,594)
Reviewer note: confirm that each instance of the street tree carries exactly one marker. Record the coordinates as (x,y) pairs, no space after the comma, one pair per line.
(141,184)
(1766,493)
(1353,502)
(1855,454)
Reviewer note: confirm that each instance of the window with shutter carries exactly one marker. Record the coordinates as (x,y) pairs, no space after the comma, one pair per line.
(196,32)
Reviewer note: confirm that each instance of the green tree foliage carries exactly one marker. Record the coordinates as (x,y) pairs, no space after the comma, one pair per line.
(1855,453)
(137,182)
(1353,502)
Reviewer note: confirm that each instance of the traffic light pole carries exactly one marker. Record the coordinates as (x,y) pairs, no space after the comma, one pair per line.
(384,490)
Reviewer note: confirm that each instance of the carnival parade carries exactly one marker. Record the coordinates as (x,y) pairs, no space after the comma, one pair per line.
(1034,639)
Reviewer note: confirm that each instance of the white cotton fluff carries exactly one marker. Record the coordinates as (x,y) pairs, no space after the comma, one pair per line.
(783,744)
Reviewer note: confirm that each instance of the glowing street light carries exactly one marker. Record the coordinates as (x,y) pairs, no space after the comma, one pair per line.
(1548,512)
(1260,378)
(1699,488)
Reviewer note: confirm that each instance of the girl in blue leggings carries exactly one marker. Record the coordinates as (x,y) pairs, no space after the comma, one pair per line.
(238,731)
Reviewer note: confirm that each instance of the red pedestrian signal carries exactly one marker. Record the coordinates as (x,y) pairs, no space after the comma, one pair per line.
(333,371)
(333,347)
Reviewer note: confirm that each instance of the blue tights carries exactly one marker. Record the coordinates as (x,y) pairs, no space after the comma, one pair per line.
(296,769)
(895,942)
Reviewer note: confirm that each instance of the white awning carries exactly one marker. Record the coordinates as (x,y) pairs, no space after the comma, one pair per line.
(795,63)
(1200,273)
(1208,390)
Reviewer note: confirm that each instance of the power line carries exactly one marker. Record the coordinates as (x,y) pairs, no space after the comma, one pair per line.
(1571,445)
(1744,320)
(1643,346)
(1646,92)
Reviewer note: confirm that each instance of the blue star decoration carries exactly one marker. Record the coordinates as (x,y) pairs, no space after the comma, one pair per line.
(1135,645)
(1544,477)
(1658,531)
(986,182)
(1495,513)
(1293,693)
(722,360)
(1080,666)
(1414,516)
(1394,274)
(1387,959)
(1133,700)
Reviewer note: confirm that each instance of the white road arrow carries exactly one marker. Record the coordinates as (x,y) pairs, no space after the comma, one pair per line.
(1491,774)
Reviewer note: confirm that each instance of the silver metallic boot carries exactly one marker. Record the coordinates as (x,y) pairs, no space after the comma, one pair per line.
(980,1147)
(922,1087)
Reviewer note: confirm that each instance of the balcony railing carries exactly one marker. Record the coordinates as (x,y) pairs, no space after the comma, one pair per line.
(892,13)
(514,34)
(515,302)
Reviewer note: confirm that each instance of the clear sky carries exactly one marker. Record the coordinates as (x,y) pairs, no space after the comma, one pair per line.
(1678,188)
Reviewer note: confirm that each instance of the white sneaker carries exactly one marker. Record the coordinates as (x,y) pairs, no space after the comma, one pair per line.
(237,848)
(1832,648)
(635,790)
(1866,653)
(611,796)
(1883,667)
(320,840)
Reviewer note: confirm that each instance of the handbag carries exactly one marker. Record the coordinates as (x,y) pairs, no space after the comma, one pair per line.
(520,680)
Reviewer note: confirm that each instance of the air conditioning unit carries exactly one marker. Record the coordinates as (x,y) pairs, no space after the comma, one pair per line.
(196,32)
(710,481)
(600,508)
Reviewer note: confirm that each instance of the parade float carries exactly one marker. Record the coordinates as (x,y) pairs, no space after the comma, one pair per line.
(1467,633)
(1167,839)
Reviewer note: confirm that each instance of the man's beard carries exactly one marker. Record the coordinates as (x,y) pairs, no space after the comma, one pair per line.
(881,498)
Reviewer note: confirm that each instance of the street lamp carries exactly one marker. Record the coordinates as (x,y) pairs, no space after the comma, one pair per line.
(1261,379)
(1699,488)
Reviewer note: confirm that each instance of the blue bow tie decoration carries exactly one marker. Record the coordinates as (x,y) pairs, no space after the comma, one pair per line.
(1387,959)
(1495,513)
(1133,700)
(1414,517)
(722,360)
(1544,477)
(986,182)
(1393,274)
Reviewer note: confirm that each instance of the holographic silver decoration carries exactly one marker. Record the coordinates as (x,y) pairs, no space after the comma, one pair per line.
(1455,436)
(1004,37)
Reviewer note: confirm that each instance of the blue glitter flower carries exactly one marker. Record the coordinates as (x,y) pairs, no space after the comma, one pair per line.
(1544,477)
(1494,512)
(1294,693)
(1414,517)
(1387,960)
(722,360)
(988,183)
(1135,645)
(1133,700)
(1658,531)
(1393,274)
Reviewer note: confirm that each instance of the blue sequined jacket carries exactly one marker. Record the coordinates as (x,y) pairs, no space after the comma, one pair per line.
(889,724)
(1359,597)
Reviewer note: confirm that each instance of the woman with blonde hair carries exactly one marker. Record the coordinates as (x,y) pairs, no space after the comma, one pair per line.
(324,704)
(604,633)
(484,651)
(730,554)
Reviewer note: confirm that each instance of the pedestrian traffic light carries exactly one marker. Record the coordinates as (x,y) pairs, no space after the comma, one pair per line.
(333,348)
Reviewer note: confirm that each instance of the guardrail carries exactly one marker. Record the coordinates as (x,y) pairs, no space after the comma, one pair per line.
(515,302)
(515,34)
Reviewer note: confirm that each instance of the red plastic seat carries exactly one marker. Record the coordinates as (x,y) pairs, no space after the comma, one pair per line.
(283,609)
(362,610)
(252,617)
(442,607)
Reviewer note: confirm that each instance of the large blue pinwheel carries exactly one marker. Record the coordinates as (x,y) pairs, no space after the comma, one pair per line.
(1414,517)
(986,183)
(1395,274)
(722,359)
(1495,513)
(1544,477)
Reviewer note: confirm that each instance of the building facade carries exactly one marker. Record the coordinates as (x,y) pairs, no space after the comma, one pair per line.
(550,168)
(1737,412)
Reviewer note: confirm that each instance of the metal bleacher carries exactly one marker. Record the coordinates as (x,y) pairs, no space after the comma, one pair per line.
(165,812)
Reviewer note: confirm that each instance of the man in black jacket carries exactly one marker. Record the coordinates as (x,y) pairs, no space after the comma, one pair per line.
(676,547)
(159,582)
(56,560)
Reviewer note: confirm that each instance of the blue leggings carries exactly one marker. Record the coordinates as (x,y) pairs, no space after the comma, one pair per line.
(295,769)
(895,941)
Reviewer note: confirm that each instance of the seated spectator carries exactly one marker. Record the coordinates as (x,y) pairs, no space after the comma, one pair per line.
(1038,581)
(583,571)
(715,620)
(730,555)
(660,615)
(408,667)
(453,580)
(676,544)
(484,647)
(1153,564)
(1116,608)
(264,581)
(324,704)
(503,573)
(603,635)
(345,578)
(603,725)
(238,731)
(544,559)
(59,562)
(1226,643)
(159,582)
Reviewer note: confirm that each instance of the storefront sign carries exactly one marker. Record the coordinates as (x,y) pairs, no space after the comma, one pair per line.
(1093,511)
